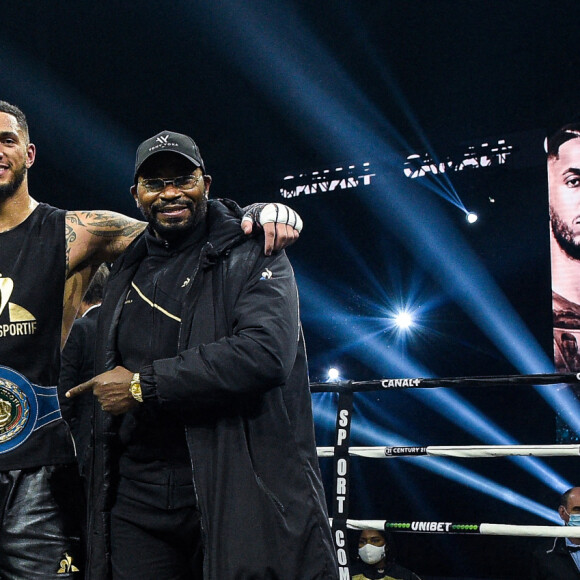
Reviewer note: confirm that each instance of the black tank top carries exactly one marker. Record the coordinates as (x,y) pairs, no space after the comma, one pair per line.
(32,280)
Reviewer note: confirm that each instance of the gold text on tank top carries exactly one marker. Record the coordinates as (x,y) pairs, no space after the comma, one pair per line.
(14,319)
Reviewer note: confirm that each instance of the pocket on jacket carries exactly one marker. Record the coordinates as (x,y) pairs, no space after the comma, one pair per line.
(271,496)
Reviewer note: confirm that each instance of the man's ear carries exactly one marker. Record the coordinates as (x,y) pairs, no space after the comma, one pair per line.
(135,195)
(30,155)
(562,512)
(207,182)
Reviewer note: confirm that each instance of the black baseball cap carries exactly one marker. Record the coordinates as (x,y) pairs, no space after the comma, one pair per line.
(168,141)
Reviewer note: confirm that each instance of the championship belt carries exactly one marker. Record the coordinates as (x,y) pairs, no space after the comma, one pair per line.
(24,408)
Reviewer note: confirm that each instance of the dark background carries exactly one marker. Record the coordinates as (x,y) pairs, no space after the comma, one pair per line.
(272,89)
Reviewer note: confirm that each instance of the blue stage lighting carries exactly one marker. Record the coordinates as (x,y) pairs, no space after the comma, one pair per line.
(369,348)
(373,434)
(282,66)
(404,320)
(471,217)
(333,374)
(93,141)
(360,340)
(472,421)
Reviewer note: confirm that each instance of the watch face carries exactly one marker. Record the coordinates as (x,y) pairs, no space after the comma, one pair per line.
(136,388)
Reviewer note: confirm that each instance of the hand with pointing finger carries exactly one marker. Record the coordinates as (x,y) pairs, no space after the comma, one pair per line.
(112,390)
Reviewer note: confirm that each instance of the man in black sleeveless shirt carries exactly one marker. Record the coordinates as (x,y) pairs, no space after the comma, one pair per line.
(47,259)
(206,464)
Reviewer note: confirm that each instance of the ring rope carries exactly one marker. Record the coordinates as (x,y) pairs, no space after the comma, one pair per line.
(463,528)
(459,451)
(455,382)
(341,451)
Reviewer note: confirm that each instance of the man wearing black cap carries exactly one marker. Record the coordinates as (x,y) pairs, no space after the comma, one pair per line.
(47,259)
(205,462)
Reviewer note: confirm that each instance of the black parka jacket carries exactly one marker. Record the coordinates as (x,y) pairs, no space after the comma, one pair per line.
(240,381)
(553,562)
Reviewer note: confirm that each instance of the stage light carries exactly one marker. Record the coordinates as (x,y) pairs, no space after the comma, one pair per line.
(471,217)
(280,74)
(404,320)
(358,339)
(333,375)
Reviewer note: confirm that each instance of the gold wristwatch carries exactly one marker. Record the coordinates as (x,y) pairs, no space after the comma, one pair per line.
(135,388)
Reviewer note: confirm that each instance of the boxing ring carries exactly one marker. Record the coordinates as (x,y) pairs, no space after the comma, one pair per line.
(341,451)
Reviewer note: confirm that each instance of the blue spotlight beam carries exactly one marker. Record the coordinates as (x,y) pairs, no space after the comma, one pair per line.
(283,66)
(483,428)
(286,57)
(443,467)
(294,70)
(370,349)
(85,137)
(391,87)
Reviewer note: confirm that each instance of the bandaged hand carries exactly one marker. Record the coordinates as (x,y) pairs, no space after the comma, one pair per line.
(281,224)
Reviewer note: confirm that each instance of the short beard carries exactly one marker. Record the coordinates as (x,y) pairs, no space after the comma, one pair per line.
(175,230)
(564,236)
(7,190)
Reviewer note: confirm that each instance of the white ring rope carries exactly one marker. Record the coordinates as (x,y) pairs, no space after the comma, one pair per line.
(459,451)
(453,528)
(342,451)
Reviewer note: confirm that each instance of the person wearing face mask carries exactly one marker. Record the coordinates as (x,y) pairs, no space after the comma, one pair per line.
(377,559)
(561,559)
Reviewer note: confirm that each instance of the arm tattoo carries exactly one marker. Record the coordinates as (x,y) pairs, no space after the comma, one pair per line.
(106,224)
(117,229)
(69,236)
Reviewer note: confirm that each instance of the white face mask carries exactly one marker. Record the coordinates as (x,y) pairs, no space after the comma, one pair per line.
(371,554)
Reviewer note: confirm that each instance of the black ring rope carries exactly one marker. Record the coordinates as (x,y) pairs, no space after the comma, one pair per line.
(455,382)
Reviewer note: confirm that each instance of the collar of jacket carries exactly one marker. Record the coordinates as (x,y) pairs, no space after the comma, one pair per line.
(157,246)
(559,547)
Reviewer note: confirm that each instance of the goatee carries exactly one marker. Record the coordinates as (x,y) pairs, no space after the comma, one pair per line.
(564,236)
(169,229)
(7,190)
